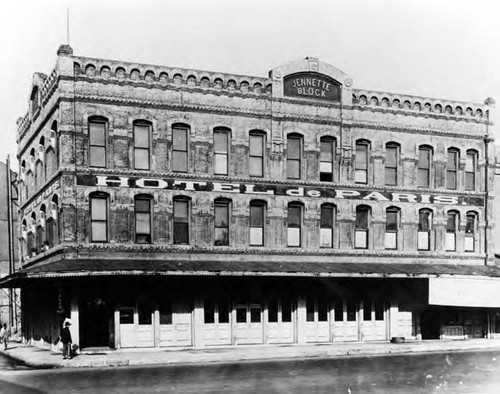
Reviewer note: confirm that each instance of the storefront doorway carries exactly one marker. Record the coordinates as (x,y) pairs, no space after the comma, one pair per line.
(95,319)
(248,326)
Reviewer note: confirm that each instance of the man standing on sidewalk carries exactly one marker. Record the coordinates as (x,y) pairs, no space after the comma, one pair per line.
(66,340)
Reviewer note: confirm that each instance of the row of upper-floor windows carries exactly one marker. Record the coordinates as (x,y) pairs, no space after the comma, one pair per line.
(328,226)
(329,160)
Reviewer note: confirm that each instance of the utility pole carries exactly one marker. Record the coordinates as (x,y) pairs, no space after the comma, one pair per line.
(10,231)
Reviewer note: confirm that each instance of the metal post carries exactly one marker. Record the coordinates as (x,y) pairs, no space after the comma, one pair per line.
(10,229)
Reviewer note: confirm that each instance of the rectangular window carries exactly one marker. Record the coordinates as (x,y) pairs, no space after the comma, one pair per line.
(338,308)
(326,159)
(294,155)
(367,310)
(272,311)
(141,147)
(221,223)
(322,310)
(451,231)
(424,166)
(255,315)
(127,316)
(424,230)
(209,312)
(391,229)
(39,239)
(361,163)
(50,233)
(99,219)
(326,226)
(351,311)
(257,224)
(223,310)
(143,220)
(145,313)
(294,225)
(241,315)
(97,144)
(310,310)
(181,222)
(361,232)
(391,165)
(470,231)
(165,314)
(451,169)
(470,171)
(257,155)
(379,310)
(221,152)
(286,312)
(179,149)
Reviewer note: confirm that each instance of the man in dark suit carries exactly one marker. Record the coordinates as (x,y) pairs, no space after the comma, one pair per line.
(66,340)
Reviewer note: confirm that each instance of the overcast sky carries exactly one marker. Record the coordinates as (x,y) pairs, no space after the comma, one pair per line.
(437,48)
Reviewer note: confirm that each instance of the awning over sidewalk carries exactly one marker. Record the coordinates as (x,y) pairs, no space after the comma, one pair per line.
(116,267)
(472,292)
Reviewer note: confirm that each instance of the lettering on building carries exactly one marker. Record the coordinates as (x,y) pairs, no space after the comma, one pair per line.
(311,85)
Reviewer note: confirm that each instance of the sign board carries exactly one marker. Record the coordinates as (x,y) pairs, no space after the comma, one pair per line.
(311,85)
(471,292)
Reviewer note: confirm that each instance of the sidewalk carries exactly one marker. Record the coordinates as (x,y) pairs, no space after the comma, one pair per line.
(42,358)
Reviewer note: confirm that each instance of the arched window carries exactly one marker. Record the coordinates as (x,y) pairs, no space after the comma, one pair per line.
(470,170)
(143,219)
(294,224)
(256,153)
(424,229)
(181,220)
(392,221)
(99,217)
(470,231)
(361,161)
(294,156)
(180,147)
(326,159)
(452,168)
(391,163)
(222,136)
(452,222)
(424,166)
(98,131)
(142,145)
(327,225)
(257,222)
(361,237)
(222,208)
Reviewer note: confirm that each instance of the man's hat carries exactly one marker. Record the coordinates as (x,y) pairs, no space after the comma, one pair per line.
(67,322)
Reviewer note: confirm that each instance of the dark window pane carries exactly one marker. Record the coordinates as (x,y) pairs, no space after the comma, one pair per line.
(367,310)
(141,136)
(294,216)
(310,310)
(181,233)
(209,312)
(362,219)
(286,312)
(379,311)
(451,223)
(351,311)
(221,236)
(326,176)
(179,161)
(221,215)
(220,142)
(165,314)
(392,221)
(223,313)
(142,205)
(257,215)
(470,224)
(470,181)
(322,311)
(179,139)
(326,217)
(255,315)
(424,221)
(293,148)
(339,310)
(127,316)
(241,315)
(145,314)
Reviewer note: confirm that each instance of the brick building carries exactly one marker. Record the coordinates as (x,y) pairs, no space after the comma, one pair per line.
(163,206)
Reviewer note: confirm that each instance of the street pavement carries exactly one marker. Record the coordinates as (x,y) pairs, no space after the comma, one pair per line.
(44,358)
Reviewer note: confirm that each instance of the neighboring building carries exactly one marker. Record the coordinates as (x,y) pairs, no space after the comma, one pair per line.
(164,206)
(8,299)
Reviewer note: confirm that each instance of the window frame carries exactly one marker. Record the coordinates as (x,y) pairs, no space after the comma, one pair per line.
(176,231)
(262,136)
(98,121)
(299,138)
(359,166)
(149,212)
(389,147)
(395,231)
(105,198)
(362,230)
(422,169)
(137,149)
(226,204)
(293,206)
(452,230)
(428,232)
(176,128)
(222,154)
(263,206)
(471,235)
(322,225)
(327,176)
(471,161)
(452,171)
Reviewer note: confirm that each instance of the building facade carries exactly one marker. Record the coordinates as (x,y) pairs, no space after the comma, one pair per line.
(169,207)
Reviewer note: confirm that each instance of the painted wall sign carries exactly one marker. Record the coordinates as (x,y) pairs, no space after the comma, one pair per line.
(275,190)
(312,85)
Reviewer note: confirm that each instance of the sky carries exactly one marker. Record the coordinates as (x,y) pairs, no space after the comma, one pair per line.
(446,49)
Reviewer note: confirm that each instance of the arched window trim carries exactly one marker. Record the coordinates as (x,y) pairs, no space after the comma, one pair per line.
(181,133)
(142,145)
(361,161)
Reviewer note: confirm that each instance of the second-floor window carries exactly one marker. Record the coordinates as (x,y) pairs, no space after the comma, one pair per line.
(470,170)
(424,166)
(451,231)
(180,148)
(327,223)
(391,164)
(181,221)
(257,212)
(470,232)
(294,156)
(143,219)
(221,223)
(99,218)
(142,146)
(294,231)
(97,143)
(221,151)
(424,229)
(326,159)
(452,169)
(362,230)
(391,228)
(361,162)
(256,151)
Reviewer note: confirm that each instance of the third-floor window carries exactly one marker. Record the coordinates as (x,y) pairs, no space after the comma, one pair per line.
(180,145)
(391,164)
(361,162)
(424,166)
(221,151)
(470,170)
(326,159)
(294,156)
(452,168)
(142,147)
(97,142)
(257,143)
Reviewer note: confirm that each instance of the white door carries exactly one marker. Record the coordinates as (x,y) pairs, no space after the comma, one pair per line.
(248,327)
(176,324)
(217,326)
(317,321)
(145,325)
(345,325)
(280,327)
(374,324)
(128,335)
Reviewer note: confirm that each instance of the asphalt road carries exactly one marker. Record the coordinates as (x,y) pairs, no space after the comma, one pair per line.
(460,372)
